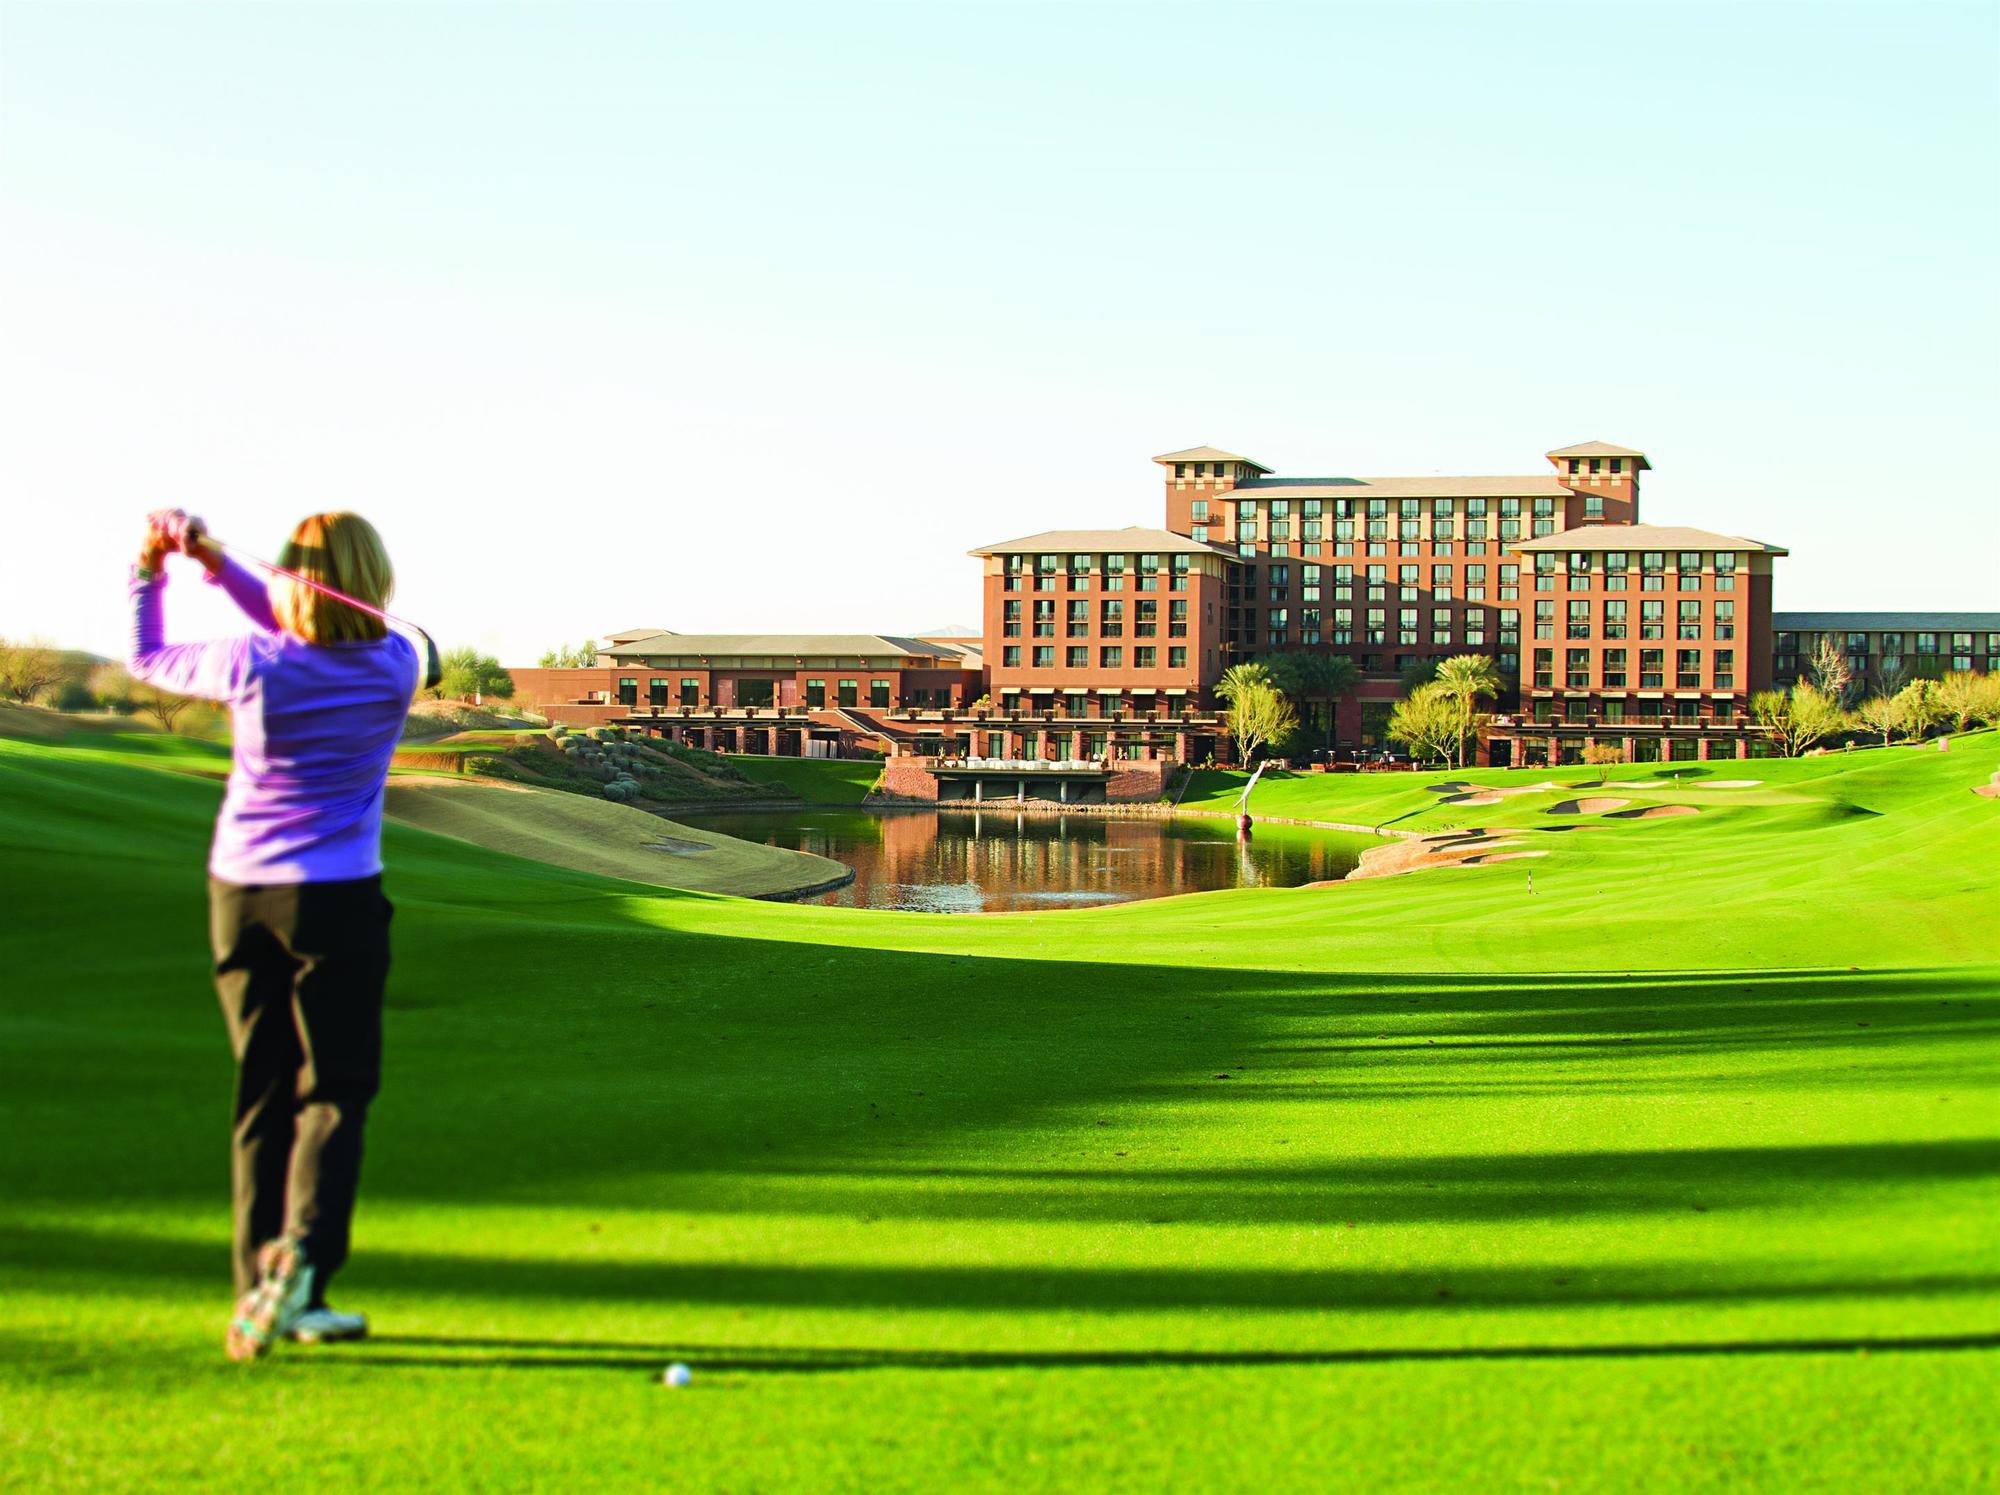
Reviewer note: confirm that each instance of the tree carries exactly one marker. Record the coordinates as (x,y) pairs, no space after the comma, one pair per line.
(1882,714)
(1418,672)
(468,673)
(1922,708)
(28,669)
(1239,677)
(1969,700)
(565,657)
(1466,678)
(1427,721)
(1828,671)
(1258,712)
(1313,677)
(1799,718)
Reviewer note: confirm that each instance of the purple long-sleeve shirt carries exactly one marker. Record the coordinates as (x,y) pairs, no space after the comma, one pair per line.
(314,727)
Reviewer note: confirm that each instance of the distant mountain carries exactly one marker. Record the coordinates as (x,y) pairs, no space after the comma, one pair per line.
(950,630)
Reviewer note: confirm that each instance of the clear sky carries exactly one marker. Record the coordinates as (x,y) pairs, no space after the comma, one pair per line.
(751,317)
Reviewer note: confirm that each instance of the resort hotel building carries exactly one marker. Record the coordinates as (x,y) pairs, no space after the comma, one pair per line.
(1100,649)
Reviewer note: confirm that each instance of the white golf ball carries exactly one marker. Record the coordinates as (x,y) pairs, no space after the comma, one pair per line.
(676,1374)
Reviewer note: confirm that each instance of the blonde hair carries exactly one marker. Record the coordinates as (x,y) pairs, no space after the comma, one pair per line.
(341,551)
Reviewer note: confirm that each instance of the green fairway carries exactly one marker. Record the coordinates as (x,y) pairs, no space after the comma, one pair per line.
(817,781)
(1675,1172)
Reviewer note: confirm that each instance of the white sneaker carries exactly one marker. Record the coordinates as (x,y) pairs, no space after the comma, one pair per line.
(274,1304)
(326,1326)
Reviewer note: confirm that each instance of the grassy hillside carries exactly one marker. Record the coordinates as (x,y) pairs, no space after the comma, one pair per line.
(817,781)
(598,836)
(1424,1182)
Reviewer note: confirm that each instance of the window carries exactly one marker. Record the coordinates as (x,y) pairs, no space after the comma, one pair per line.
(1280,578)
(1687,669)
(656,691)
(628,692)
(1545,571)
(1179,583)
(1045,656)
(1614,617)
(1149,573)
(1176,656)
(1616,564)
(1593,506)
(1579,618)
(1013,564)
(1690,570)
(850,690)
(1114,573)
(1510,581)
(1579,571)
(1614,670)
(1652,619)
(1145,657)
(1010,618)
(1010,656)
(1198,532)
(1111,658)
(1690,620)
(1651,564)
(1725,570)
(690,692)
(1147,619)
(1510,628)
(1725,669)
(1652,668)
(1076,657)
(1111,619)
(878,693)
(1576,669)
(1545,669)
(1076,623)
(1406,625)
(1725,619)
(1198,511)
(1075,702)
(1177,618)
(1045,617)
(1545,617)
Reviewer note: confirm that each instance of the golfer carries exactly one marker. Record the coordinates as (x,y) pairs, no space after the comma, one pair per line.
(300,930)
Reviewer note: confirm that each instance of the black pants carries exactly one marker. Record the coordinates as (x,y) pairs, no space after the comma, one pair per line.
(300,970)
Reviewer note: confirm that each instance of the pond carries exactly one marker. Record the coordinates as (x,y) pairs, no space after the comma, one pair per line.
(983,861)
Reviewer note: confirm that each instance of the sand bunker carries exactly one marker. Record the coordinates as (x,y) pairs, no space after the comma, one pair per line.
(1654,812)
(1595,805)
(1987,791)
(1474,799)
(674,846)
(1456,849)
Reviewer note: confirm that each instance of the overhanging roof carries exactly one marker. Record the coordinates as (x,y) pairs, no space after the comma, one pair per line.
(1208,454)
(1646,537)
(719,646)
(1132,540)
(1889,621)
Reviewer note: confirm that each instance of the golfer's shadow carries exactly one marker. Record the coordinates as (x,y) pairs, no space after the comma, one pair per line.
(387,1351)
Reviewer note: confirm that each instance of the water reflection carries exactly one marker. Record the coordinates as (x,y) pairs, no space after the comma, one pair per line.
(972,861)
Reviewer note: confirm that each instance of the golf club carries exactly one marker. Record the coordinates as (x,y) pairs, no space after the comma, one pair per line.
(433,666)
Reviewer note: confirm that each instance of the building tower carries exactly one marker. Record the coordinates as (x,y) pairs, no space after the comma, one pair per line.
(1198,476)
(1603,481)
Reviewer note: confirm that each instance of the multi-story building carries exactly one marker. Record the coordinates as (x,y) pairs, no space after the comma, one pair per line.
(1107,644)
(1885,651)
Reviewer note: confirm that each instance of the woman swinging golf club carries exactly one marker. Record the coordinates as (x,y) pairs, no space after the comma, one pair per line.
(300,930)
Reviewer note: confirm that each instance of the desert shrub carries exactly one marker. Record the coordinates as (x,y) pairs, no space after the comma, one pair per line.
(74,695)
(615,791)
(1603,752)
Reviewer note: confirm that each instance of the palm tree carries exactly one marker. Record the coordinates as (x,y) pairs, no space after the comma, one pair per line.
(1465,678)
(1314,677)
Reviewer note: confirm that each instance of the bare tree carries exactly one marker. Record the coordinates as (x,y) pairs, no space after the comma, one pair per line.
(1828,671)
(1969,700)
(28,669)
(162,706)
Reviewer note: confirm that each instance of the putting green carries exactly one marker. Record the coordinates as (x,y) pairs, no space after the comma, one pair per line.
(1426,1181)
